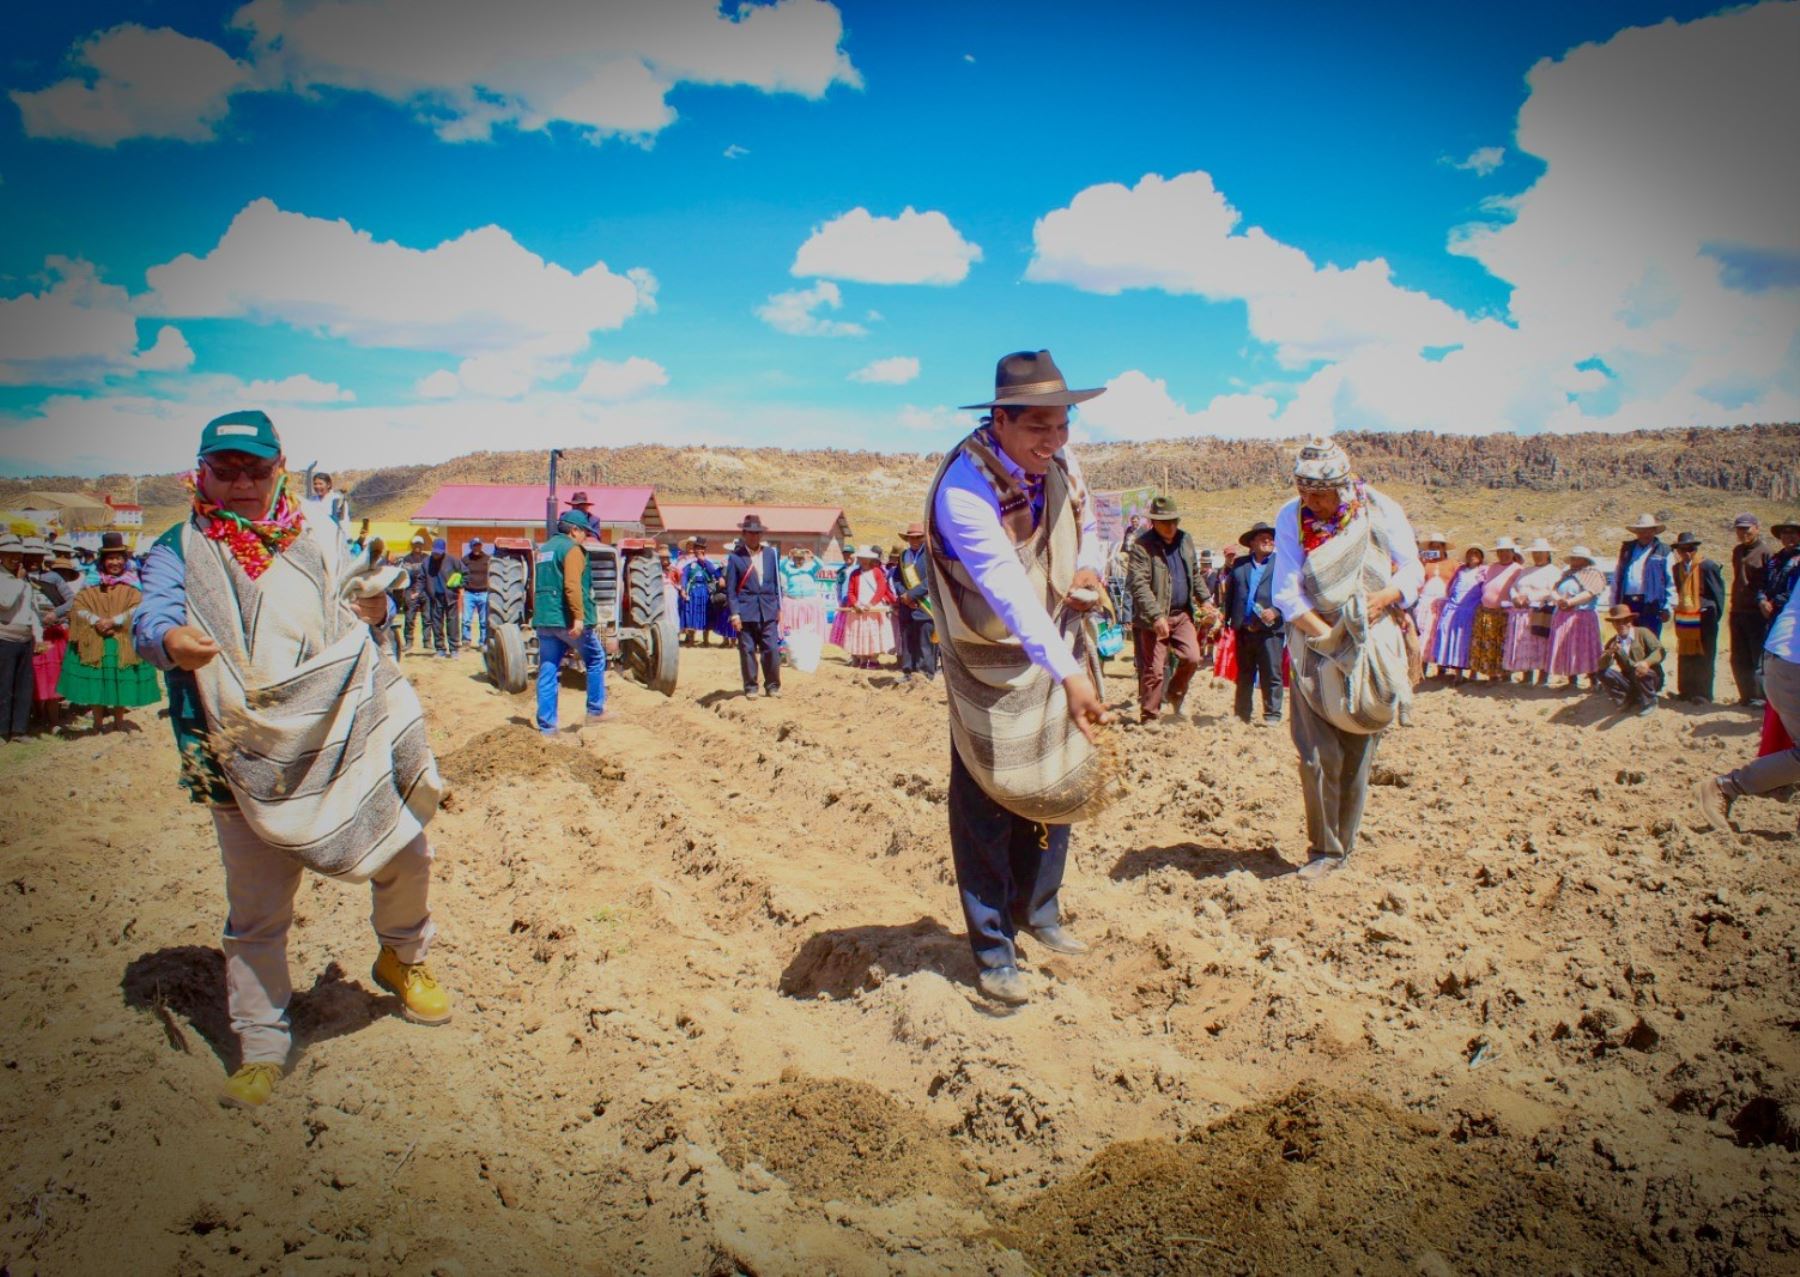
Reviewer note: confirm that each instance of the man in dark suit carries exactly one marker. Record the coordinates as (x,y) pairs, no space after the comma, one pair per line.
(1250,611)
(1694,670)
(753,592)
(918,654)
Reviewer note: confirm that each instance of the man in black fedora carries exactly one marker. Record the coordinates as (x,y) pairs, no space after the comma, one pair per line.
(1699,603)
(1167,592)
(1256,624)
(753,592)
(1011,528)
(1782,569)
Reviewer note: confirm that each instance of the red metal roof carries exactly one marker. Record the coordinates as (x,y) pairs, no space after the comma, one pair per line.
(798,520)
(492,503)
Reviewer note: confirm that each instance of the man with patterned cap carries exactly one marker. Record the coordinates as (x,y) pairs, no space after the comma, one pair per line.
(1346,569)
(307,746)
(1015,568)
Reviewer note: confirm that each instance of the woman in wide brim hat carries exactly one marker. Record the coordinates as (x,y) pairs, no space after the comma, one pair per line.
(802,597)
(1531,610)
(1575,645)
(698,577)
(47,661)
(1456,620)
(101,669)
(865,626)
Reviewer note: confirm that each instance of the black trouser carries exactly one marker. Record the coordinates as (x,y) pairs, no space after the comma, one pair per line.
(15,685)
(1259,658)
(446,625)
(762,637)
(1633,690)
(918,654)
(1748,630)
(1009,870)
(1694,674)
(418,609)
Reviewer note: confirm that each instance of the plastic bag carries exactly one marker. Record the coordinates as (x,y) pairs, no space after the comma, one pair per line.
(1108,640)
(804,649)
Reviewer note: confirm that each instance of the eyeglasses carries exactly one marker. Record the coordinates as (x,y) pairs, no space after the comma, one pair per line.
(256,472)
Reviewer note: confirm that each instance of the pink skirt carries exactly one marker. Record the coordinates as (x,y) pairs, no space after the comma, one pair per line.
(863,633)
(1425,616)
(1575,646)
(46,666)
(1525,650)
(804,614)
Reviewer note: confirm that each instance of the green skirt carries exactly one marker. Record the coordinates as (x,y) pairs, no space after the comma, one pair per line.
(106,685)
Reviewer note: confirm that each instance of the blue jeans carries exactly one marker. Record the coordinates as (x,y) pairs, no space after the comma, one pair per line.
(475,605)
(553,645)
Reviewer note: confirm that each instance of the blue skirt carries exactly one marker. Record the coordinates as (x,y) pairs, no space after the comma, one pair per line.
(694,610)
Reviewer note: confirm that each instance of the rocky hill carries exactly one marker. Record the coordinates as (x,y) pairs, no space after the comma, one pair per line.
(1759,461)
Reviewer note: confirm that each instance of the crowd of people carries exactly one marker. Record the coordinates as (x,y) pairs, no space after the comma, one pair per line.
(1528,615)
(1004,588)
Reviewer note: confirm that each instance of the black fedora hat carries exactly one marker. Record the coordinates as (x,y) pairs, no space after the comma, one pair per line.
(751,523)
(1025,380)
(1255,530)
(1685,540)
(1786,525)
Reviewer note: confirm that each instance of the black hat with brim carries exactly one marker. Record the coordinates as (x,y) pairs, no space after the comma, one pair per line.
(1255,531)
(1685,540)
(1026,380)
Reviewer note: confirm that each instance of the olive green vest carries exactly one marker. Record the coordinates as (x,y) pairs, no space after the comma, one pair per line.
(548,610)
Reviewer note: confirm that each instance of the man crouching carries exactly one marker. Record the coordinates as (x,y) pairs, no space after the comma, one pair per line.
(307,745)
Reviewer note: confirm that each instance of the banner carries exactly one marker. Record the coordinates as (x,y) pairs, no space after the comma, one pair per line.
(1112,510)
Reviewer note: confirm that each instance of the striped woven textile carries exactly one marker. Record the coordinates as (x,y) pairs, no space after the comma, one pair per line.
(1356,677)
(1009,719)
(321,740)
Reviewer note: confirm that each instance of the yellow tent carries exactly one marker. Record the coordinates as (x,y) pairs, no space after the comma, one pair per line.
(396,532)
(75,511)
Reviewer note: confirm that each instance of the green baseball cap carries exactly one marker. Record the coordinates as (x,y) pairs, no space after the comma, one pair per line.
(249,431)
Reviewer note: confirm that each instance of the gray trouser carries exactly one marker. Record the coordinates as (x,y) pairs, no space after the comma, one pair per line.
(259,892)
(1781,684)
(1334,779)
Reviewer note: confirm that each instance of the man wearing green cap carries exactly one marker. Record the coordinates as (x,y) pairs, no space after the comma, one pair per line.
(260,698)
(1167,592)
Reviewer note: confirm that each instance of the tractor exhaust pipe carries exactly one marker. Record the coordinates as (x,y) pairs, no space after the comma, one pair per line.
(550,501)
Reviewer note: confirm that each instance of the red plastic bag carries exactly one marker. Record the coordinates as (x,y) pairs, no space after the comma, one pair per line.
(1225,655)
(1774,735)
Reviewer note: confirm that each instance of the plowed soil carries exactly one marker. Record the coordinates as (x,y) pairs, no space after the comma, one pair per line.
(714,1008)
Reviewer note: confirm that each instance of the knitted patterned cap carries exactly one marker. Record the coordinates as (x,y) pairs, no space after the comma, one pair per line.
(1322,463)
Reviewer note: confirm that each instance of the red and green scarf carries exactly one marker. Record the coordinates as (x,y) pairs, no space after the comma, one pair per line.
(1315,532)
(254,543)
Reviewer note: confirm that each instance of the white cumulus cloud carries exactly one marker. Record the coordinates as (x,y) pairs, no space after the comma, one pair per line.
(933,420)
(136,82)
(626,379)
(1137,406)
(795,312)
(469,65)
(913,248)
(80,329)
(1482,161)
(896,371)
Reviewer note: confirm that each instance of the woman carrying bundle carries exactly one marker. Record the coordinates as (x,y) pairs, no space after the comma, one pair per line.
(99,671)
(1346,567)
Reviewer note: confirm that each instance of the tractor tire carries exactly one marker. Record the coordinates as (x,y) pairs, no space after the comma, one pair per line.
(508,663)
(650,638)
(506,590)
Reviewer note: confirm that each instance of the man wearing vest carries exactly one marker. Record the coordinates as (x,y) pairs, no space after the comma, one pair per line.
(1642,581)
(1016,559)
(475,592)
(1167,591)
(563,613)
(1256,623)
(303,671)
(919,654)
(753,591)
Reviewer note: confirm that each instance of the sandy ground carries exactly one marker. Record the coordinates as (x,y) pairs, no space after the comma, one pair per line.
(715,1016)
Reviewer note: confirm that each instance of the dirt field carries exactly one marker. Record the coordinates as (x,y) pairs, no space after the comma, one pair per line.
(715,1015)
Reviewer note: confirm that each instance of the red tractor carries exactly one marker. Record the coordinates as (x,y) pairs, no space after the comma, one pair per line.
(634,617)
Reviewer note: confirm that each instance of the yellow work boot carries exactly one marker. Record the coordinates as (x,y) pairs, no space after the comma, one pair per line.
(422,999)
(251,1086)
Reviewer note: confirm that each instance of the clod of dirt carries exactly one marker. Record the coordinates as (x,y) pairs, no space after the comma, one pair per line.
(837,1138)
(1315,1182)
(516,752)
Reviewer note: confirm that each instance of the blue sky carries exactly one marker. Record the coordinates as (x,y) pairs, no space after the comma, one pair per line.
(409,233)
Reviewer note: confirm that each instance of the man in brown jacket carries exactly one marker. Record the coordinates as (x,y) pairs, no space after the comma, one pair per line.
(1167,593)
(1631,667)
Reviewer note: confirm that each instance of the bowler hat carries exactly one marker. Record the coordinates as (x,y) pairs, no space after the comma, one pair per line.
(1164,508)
(112,543)
(1025,380)
(1256,530)
(751,523)
(1686,540)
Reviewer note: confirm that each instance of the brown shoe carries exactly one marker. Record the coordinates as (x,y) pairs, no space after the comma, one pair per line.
(1715,803)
